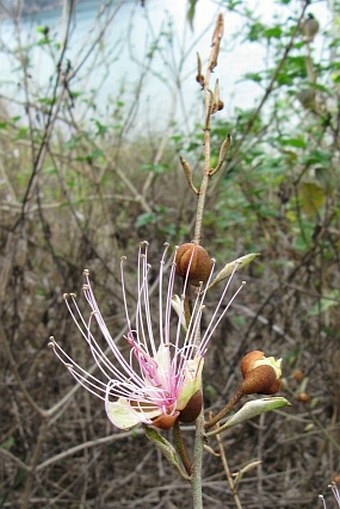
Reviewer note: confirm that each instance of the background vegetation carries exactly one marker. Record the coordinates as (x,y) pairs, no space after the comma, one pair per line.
(79,189)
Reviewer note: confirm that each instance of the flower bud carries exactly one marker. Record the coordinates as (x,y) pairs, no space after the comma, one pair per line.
(298,375)
(193,258)
(260,374)
(247,362)
(303,397)
(261,380)
(193,408)
(310,27)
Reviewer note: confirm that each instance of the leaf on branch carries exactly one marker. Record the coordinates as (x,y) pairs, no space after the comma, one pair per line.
(253,409)
(191,12)
(233,266)
(312,197)
(166,449)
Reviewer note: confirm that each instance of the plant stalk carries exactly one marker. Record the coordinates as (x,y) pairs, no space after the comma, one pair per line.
(196,476)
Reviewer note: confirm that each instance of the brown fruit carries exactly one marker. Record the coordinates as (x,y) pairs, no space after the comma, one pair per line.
(193,258)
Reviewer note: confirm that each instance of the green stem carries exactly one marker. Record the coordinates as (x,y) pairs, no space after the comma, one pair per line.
(178,440)
(196,476)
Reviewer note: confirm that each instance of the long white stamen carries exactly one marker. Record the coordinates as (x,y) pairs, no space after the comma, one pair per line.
(104,330)
(212,326)
(160,293)
(151,378)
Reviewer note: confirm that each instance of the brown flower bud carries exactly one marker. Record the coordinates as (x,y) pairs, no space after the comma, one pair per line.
(261,380)
(310,27)
(336,478)
(165,421)
(193,408)
(261,374)
(200,80)
(193,258)
(247,362)
(303,397)
(298,375)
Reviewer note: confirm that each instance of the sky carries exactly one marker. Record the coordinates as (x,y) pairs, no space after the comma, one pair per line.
(118,68)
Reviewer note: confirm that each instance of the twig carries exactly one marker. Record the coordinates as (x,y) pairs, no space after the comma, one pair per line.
(231,482)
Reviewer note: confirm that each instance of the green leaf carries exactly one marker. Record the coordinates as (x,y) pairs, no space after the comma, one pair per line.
(253,76)
(166,449)
(145,219)
(191,12)
(8,443)
(49,101)
(298,142)
(274,31)
(312,197)
(154,168)
(42,29)
(235,265)
(330,300)
(252,409)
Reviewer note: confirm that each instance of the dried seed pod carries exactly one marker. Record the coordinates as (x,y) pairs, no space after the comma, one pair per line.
(199,76)
(216,41)
(193,258)
(188,173)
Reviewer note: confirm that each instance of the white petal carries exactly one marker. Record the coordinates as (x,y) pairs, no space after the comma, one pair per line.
(192,382)
(124,416)
(178,306)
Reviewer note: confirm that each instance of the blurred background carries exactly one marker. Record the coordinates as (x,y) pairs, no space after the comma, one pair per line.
(97,102)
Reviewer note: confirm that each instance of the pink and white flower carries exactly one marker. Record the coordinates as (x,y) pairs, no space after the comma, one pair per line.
(164,369)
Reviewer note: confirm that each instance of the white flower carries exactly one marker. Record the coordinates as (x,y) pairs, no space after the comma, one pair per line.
(165,364)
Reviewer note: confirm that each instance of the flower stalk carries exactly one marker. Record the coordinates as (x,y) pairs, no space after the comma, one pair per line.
(180,446)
